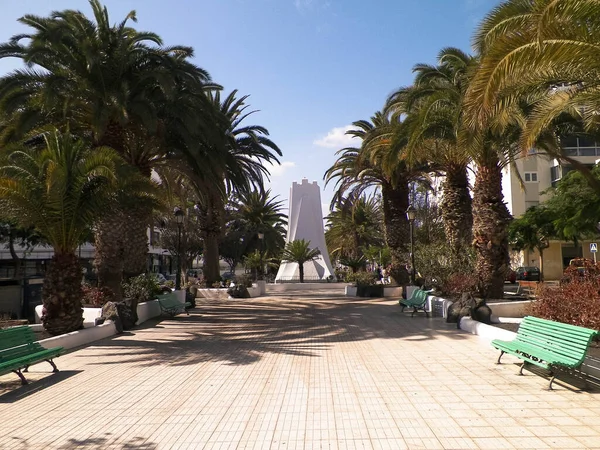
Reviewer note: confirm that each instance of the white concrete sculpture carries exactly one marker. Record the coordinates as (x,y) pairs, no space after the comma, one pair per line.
(305,221)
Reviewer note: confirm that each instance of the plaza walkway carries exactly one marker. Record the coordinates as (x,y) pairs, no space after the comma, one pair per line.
(294,372)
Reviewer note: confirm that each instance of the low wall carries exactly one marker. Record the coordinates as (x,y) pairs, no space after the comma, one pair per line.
(392,291)
(221,293)
(89,315)
(282,287)
(147,310)
(81,337)
(509,309)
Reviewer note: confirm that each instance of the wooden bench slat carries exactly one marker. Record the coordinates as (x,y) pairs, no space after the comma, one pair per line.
(18,350)
(548,344)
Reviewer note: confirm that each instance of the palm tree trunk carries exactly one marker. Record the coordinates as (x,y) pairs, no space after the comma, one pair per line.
(301,272)
(212,233)
(61,296)
(135,243)
(395,202)
(490,230)
(108,261)
(457,210)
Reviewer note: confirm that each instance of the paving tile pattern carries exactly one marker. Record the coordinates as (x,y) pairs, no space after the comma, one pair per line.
(293,372)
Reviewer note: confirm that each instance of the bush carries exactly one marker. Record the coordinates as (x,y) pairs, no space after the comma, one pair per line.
(458,283)
(244,280)
(142,288)
(362,278)
(575,303)
(436,265)
(96,296)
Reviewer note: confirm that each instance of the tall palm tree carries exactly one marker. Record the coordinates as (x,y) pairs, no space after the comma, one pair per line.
(299,251)
(434,103)
(544,52)
(109,83)
(239,170)
(61,190)
(379,162)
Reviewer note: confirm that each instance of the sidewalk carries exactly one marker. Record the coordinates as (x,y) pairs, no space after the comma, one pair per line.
(293,373)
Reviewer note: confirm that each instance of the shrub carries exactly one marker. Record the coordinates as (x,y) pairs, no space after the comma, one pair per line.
(362,278)
(142,288)
(458,283)
(437,266)
(575,303)
(96,296)
(244,280)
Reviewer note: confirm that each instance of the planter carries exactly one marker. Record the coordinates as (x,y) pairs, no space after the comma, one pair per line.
(370,291)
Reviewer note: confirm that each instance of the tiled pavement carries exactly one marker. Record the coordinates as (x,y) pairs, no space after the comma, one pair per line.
(294,372)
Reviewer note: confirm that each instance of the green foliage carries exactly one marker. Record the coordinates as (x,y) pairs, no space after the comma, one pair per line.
(244,280)
(436,264)
(362,278)
(354,224)
(574,206)
(60,189)
(142,288)
(533,230)
(299,251)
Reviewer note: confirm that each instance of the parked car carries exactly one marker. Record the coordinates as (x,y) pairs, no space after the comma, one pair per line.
(529,273)
(511,276)
(227,276)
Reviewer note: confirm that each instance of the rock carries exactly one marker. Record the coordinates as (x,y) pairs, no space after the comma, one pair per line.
(238,291)
(120,313)
(482,313)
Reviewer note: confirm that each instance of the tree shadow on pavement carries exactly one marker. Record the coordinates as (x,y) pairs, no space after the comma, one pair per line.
(241,332)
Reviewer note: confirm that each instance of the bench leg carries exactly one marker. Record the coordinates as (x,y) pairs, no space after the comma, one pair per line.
(551,381)
(21,376)
(522,367)
(402,306)
(25,369)
(426,312)
(54,368)
(501,353)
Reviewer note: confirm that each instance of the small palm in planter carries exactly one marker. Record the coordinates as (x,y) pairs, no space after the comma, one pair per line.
(299,251)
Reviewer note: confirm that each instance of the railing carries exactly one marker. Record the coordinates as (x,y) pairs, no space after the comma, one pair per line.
(310,279)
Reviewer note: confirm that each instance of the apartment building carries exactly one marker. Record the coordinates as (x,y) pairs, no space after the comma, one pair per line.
(538,173)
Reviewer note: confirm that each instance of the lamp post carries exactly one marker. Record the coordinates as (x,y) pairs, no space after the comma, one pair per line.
(261,237)
(179,216)
(411,213)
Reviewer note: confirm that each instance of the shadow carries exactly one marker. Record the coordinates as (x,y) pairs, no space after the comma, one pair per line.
(240,332)
(100,443)
(21,392)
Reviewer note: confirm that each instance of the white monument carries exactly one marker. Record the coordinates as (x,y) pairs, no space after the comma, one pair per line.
(305,221)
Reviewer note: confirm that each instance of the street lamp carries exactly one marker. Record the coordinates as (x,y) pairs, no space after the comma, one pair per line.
(411,213)
(261,237)
(179,216)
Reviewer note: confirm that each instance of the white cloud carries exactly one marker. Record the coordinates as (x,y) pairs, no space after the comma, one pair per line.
(277,170)
(311,5)
(337,138)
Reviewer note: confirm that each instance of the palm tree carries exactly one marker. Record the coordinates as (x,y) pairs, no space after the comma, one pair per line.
(112,84)
(434,103)
(376,164)
(61,190)
(257,213)
(545,53)
(239,169)
(354,224)
(299,251)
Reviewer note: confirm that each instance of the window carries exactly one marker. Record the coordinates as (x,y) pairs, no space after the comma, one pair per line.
(531,177)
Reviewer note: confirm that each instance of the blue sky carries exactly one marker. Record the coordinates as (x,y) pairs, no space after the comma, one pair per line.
(311,67)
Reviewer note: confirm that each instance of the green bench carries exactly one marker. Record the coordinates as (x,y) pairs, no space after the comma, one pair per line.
(418,300)
(170,304)
(18,351)
(547,344)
